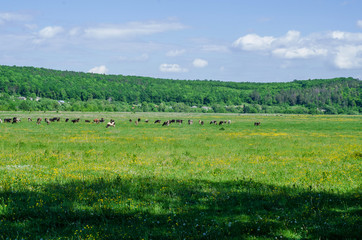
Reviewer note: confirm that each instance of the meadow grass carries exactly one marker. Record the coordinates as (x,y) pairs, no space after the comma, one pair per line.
(293,177)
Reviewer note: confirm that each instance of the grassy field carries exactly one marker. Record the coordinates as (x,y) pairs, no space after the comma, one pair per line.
(292,177)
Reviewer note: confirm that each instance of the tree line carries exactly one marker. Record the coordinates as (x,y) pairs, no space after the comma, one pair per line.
(40,89)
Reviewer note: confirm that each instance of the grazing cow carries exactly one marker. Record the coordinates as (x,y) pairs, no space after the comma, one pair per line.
(29,120)
(47,120)
(202,122)
(16,120)
(172,121)
(213,122)
(157,121)
(96,120)
(190,122)
(139,119)
(111,124)
(166,123)
(1,121)
(101,120)
(75,120)
(256,123)
(7,120)
(87,121)
(130,120)
(38,121)
(179,121)
(136,123)
(146,121)
(67,119)
(222,122)
(229,121)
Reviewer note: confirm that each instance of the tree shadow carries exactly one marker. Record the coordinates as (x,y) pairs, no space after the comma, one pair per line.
(153,208)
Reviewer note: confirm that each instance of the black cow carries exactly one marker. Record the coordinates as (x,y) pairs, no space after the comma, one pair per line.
(16,120)
(75,120)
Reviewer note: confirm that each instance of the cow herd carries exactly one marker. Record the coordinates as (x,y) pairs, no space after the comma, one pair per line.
(112,123)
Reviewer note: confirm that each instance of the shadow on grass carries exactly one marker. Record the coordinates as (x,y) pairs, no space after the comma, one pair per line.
(151,208)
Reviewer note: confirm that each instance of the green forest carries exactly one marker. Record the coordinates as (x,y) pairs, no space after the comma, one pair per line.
(40,89)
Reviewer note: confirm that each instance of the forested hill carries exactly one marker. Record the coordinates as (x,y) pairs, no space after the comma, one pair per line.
(30,88)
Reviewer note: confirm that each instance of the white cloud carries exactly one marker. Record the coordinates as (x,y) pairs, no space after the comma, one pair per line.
(100,69)
(200,63)
(349,57)
(13,17)
(175,53)
(131,29)
(50,31)
(252,42)
(299,52)
(172,68)
(291,36)
(343,48)
(346,36)
(359,23)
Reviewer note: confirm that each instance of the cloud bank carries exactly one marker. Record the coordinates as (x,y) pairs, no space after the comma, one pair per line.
(344,48)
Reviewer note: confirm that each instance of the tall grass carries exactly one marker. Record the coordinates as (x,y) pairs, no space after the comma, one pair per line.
(294,177)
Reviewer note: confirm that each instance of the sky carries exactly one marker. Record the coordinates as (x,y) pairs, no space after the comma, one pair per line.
(226,40)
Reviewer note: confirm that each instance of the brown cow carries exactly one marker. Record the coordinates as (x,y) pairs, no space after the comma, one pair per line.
(38,121)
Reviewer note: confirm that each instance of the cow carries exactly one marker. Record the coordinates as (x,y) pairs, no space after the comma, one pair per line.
(130,120)
(157,121)
(202,122)
(7,120)
(179,121)
(47,120)
(136,123)
(213,122)
(146,121)
(38,121)
(166,123)
(101,120)
(96,120)
(67,119)
(1,121)
(87,121)
(139,119)
(15,120)
(256,123)
(229,121)
(29,119)
(190,122)
(75,120)
(222,122)
(111,123)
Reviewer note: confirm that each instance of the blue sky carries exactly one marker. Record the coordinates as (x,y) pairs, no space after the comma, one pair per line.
(228,40)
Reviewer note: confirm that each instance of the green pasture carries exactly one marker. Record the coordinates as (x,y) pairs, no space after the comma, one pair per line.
(292,177)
